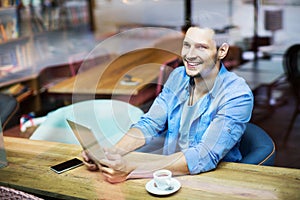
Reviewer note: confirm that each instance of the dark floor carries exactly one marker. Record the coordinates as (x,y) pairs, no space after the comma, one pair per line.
(275,123)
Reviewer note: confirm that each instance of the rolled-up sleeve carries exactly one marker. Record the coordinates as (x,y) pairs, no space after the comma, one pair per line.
(156,119)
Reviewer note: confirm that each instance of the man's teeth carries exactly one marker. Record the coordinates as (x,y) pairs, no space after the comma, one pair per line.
(193,64)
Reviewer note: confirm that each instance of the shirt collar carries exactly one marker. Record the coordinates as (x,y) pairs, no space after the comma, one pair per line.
(216,86)
(218,81)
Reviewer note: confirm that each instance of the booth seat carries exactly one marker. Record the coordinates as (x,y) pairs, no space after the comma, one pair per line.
(107,118)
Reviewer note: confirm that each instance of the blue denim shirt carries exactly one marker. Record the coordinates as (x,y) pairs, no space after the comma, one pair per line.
(217,128)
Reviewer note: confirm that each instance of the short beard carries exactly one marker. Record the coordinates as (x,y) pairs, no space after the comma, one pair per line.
(194,76)
(191,76)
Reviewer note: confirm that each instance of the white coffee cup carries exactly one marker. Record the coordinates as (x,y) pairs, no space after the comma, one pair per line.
(162,179)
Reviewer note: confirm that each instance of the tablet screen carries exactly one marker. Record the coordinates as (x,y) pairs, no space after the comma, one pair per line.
(87,140)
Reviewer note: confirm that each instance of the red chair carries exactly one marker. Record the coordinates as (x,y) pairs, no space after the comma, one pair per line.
(165,71)
(75,62)
(148,94)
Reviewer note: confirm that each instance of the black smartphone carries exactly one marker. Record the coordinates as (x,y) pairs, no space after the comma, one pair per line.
(67,165)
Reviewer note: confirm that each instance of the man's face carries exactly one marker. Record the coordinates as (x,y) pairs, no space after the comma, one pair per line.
(199,52)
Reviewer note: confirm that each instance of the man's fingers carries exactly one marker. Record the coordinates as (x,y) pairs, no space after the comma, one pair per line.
(113,176)
(107,176)
(111,156)
(107,163)
(110,150)
(90,166)
(115,164)
(85,156)
(107,170)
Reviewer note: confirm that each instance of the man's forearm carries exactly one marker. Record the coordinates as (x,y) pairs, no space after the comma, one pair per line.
(132,140)
(144,164)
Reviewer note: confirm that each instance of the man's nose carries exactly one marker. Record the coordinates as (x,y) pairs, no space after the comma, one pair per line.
(191,53)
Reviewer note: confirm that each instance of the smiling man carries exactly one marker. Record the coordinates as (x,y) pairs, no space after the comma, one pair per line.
(202,112)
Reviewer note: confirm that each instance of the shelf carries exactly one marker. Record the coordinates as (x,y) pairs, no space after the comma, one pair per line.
(15,41)
(6,10)
(8,24)
(32,45)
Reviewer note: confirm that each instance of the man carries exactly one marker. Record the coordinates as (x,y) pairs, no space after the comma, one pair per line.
(202,110)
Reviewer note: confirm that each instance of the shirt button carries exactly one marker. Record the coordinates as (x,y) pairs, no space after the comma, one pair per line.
(229,130)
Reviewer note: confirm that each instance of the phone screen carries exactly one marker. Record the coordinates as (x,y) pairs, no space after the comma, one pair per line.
(67,165)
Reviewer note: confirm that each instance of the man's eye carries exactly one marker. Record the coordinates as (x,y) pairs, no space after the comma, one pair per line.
(186,45)
(201,47)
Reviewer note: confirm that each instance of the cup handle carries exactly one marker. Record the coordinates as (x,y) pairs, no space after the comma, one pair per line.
(169,183)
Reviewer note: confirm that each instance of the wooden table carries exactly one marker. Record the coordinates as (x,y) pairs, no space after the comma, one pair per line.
(29,170)
(106,78)
(144,65)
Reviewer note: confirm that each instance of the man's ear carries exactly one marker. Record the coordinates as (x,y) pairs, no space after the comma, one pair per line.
(223,50)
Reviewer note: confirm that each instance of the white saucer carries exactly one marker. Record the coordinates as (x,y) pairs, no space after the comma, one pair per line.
(150,187)
(125,82)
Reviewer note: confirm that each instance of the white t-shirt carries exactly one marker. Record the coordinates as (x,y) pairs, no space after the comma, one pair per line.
(189,114)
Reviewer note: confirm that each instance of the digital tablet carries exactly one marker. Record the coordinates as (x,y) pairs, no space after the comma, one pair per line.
(87,140)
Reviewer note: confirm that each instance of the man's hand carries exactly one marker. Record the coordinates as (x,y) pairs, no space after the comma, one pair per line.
(88,162)
(115,167)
